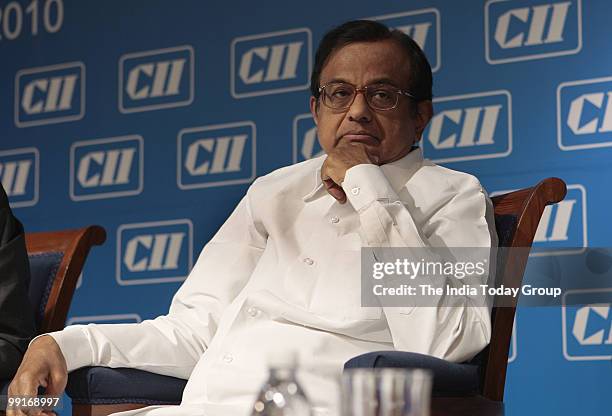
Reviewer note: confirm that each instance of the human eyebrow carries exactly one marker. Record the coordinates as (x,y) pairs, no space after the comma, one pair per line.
(333,80)
(376,81)
(385,81)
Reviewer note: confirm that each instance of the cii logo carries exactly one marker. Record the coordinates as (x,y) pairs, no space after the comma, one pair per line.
(584,114)
(563,226)
(305,142)
(151,80)
(271,63)
(124,318)
(154,252)
(520,30)
(50,94)
(106,168)
(19,170)
(587,324)
(470,127)
(216,155)
(423,26)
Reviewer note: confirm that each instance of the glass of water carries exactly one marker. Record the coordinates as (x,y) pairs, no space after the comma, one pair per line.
(385,392)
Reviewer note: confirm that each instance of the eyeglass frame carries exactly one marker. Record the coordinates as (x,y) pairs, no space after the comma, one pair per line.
(363,90)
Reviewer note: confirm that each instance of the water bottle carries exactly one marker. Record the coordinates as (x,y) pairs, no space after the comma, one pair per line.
(281,394)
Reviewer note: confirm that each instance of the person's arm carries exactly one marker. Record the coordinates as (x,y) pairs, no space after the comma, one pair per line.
(16,315)
(172,344)
(464,220)
(168,345)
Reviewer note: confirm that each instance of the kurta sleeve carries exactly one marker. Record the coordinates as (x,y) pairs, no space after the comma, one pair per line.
(463,218)
(172,344)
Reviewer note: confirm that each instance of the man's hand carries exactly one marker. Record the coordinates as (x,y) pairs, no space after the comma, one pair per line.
(338,161)
(43,365)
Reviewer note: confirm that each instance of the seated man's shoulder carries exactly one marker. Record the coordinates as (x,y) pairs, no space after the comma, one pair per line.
(446,181)
(298,178)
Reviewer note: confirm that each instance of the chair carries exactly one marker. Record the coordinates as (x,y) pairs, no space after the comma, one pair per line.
(459,389)
(56,260)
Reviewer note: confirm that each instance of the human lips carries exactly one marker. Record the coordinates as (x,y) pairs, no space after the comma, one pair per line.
(361,137)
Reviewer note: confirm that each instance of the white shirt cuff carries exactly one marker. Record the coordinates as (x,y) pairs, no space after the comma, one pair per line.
(74,344)
(366,183)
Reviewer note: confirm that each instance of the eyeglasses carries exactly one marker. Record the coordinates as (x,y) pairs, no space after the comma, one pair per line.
(340,95)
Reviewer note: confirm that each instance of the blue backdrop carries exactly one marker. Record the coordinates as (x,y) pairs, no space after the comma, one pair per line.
(151,118)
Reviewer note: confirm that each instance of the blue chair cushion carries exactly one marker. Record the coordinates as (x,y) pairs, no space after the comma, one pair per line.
(102,385)
(449,379)
(43,268)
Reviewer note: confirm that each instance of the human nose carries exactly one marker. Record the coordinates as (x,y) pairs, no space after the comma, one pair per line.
(359,109)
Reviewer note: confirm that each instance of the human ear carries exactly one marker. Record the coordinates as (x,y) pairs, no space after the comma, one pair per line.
(423,115)
(314,107)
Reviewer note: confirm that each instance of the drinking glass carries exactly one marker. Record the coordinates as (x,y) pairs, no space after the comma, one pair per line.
(385,392)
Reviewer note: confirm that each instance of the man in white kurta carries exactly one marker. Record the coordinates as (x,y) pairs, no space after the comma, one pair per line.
(283,272)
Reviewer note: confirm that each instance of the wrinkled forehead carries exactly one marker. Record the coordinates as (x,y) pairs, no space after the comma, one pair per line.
(363,63)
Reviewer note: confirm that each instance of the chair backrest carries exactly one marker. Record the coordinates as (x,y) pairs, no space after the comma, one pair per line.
(517,215)
(56,260)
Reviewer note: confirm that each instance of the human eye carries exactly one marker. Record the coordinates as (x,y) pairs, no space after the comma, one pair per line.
(382,95)
(341,91)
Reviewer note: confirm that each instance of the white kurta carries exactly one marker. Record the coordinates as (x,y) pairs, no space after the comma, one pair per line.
(283,273)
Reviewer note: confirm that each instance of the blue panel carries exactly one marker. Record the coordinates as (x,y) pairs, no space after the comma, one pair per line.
(562,229)
(106,168)
(50,94)
(585,114)
(527,29)
(157,79)
(305,141)
(216,155)
(19,173)
(154,252)
(470,127)
(587,325)
(271,63)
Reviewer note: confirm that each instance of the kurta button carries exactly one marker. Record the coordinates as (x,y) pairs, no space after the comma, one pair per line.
(309,261)
(335,220)
(228,358)
(355,190)
(253,311)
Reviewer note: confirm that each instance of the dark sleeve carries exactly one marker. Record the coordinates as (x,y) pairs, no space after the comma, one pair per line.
(16,316)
